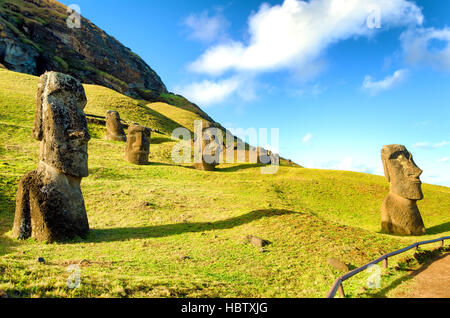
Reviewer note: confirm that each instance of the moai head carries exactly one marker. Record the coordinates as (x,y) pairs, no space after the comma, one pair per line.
(401,171)
(114,129)
(138,144)
(264,156)
(60,124)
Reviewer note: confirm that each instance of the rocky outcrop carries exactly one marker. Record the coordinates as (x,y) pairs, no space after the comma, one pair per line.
(35,38)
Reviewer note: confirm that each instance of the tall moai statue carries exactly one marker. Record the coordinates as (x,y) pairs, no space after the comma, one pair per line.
(399,212)
(137,149)
(49,203)
(207,148)
(114,129)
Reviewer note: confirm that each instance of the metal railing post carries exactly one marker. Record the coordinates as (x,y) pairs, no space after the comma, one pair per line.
(341,290)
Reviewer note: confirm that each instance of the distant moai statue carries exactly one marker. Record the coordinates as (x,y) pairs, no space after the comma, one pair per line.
(137,148)
(114,129)
(49,203)
(399,212)
(264,156)
(208,148)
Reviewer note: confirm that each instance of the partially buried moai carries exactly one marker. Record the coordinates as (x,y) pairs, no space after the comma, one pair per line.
(138,144)
(207,148)
(49,203)
(399,212)
(114,129)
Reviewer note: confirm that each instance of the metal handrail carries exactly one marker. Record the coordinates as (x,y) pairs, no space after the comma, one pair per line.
(338,283)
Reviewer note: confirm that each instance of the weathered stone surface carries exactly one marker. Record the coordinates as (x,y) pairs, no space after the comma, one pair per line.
(256,241)
(114,129)
(208,149)
(137,149)
(49,203)
(339,265)
(399,212)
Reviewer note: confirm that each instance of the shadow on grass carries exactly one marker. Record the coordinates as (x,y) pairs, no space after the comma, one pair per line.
(445,227)
(383,292)
(240,167)
(160,140)
(122,234)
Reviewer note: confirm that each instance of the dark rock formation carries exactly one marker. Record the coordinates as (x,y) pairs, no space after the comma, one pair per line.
(114,129)
(399,212)
(138,145)
(49,203)
(34,38)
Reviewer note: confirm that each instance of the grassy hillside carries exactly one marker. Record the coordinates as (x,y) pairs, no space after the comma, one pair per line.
(164,230)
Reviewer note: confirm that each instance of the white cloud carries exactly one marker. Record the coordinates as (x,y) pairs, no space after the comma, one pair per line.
(421,144)
(209,92)
(445,159)
(374,87)
(307,138)
(204,27)
(296,33)
(419,47)
(429,145)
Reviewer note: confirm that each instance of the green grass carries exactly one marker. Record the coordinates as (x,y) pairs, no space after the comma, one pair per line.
(164,230)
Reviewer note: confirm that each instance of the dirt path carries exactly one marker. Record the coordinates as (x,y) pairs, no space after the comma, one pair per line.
(431,281)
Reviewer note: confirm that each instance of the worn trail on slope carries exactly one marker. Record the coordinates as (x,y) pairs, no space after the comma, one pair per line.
(432,281)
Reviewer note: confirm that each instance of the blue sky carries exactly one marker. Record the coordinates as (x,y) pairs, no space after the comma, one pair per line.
(337,87)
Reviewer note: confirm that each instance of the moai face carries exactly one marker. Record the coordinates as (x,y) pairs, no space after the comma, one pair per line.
(138,144)
(60,124)
(401,171)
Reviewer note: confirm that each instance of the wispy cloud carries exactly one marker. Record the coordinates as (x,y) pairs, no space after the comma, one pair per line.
(209,92)
(375,87)
(426,144)
(445,159)
(420,47)
(423,144)
(206,27)
(441,144)
(307,138)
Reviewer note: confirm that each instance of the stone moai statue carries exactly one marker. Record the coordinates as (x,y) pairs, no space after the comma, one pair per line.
(49,203)
(264,156)
(399,212)
(114,129)
(208,149)
(138,144)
